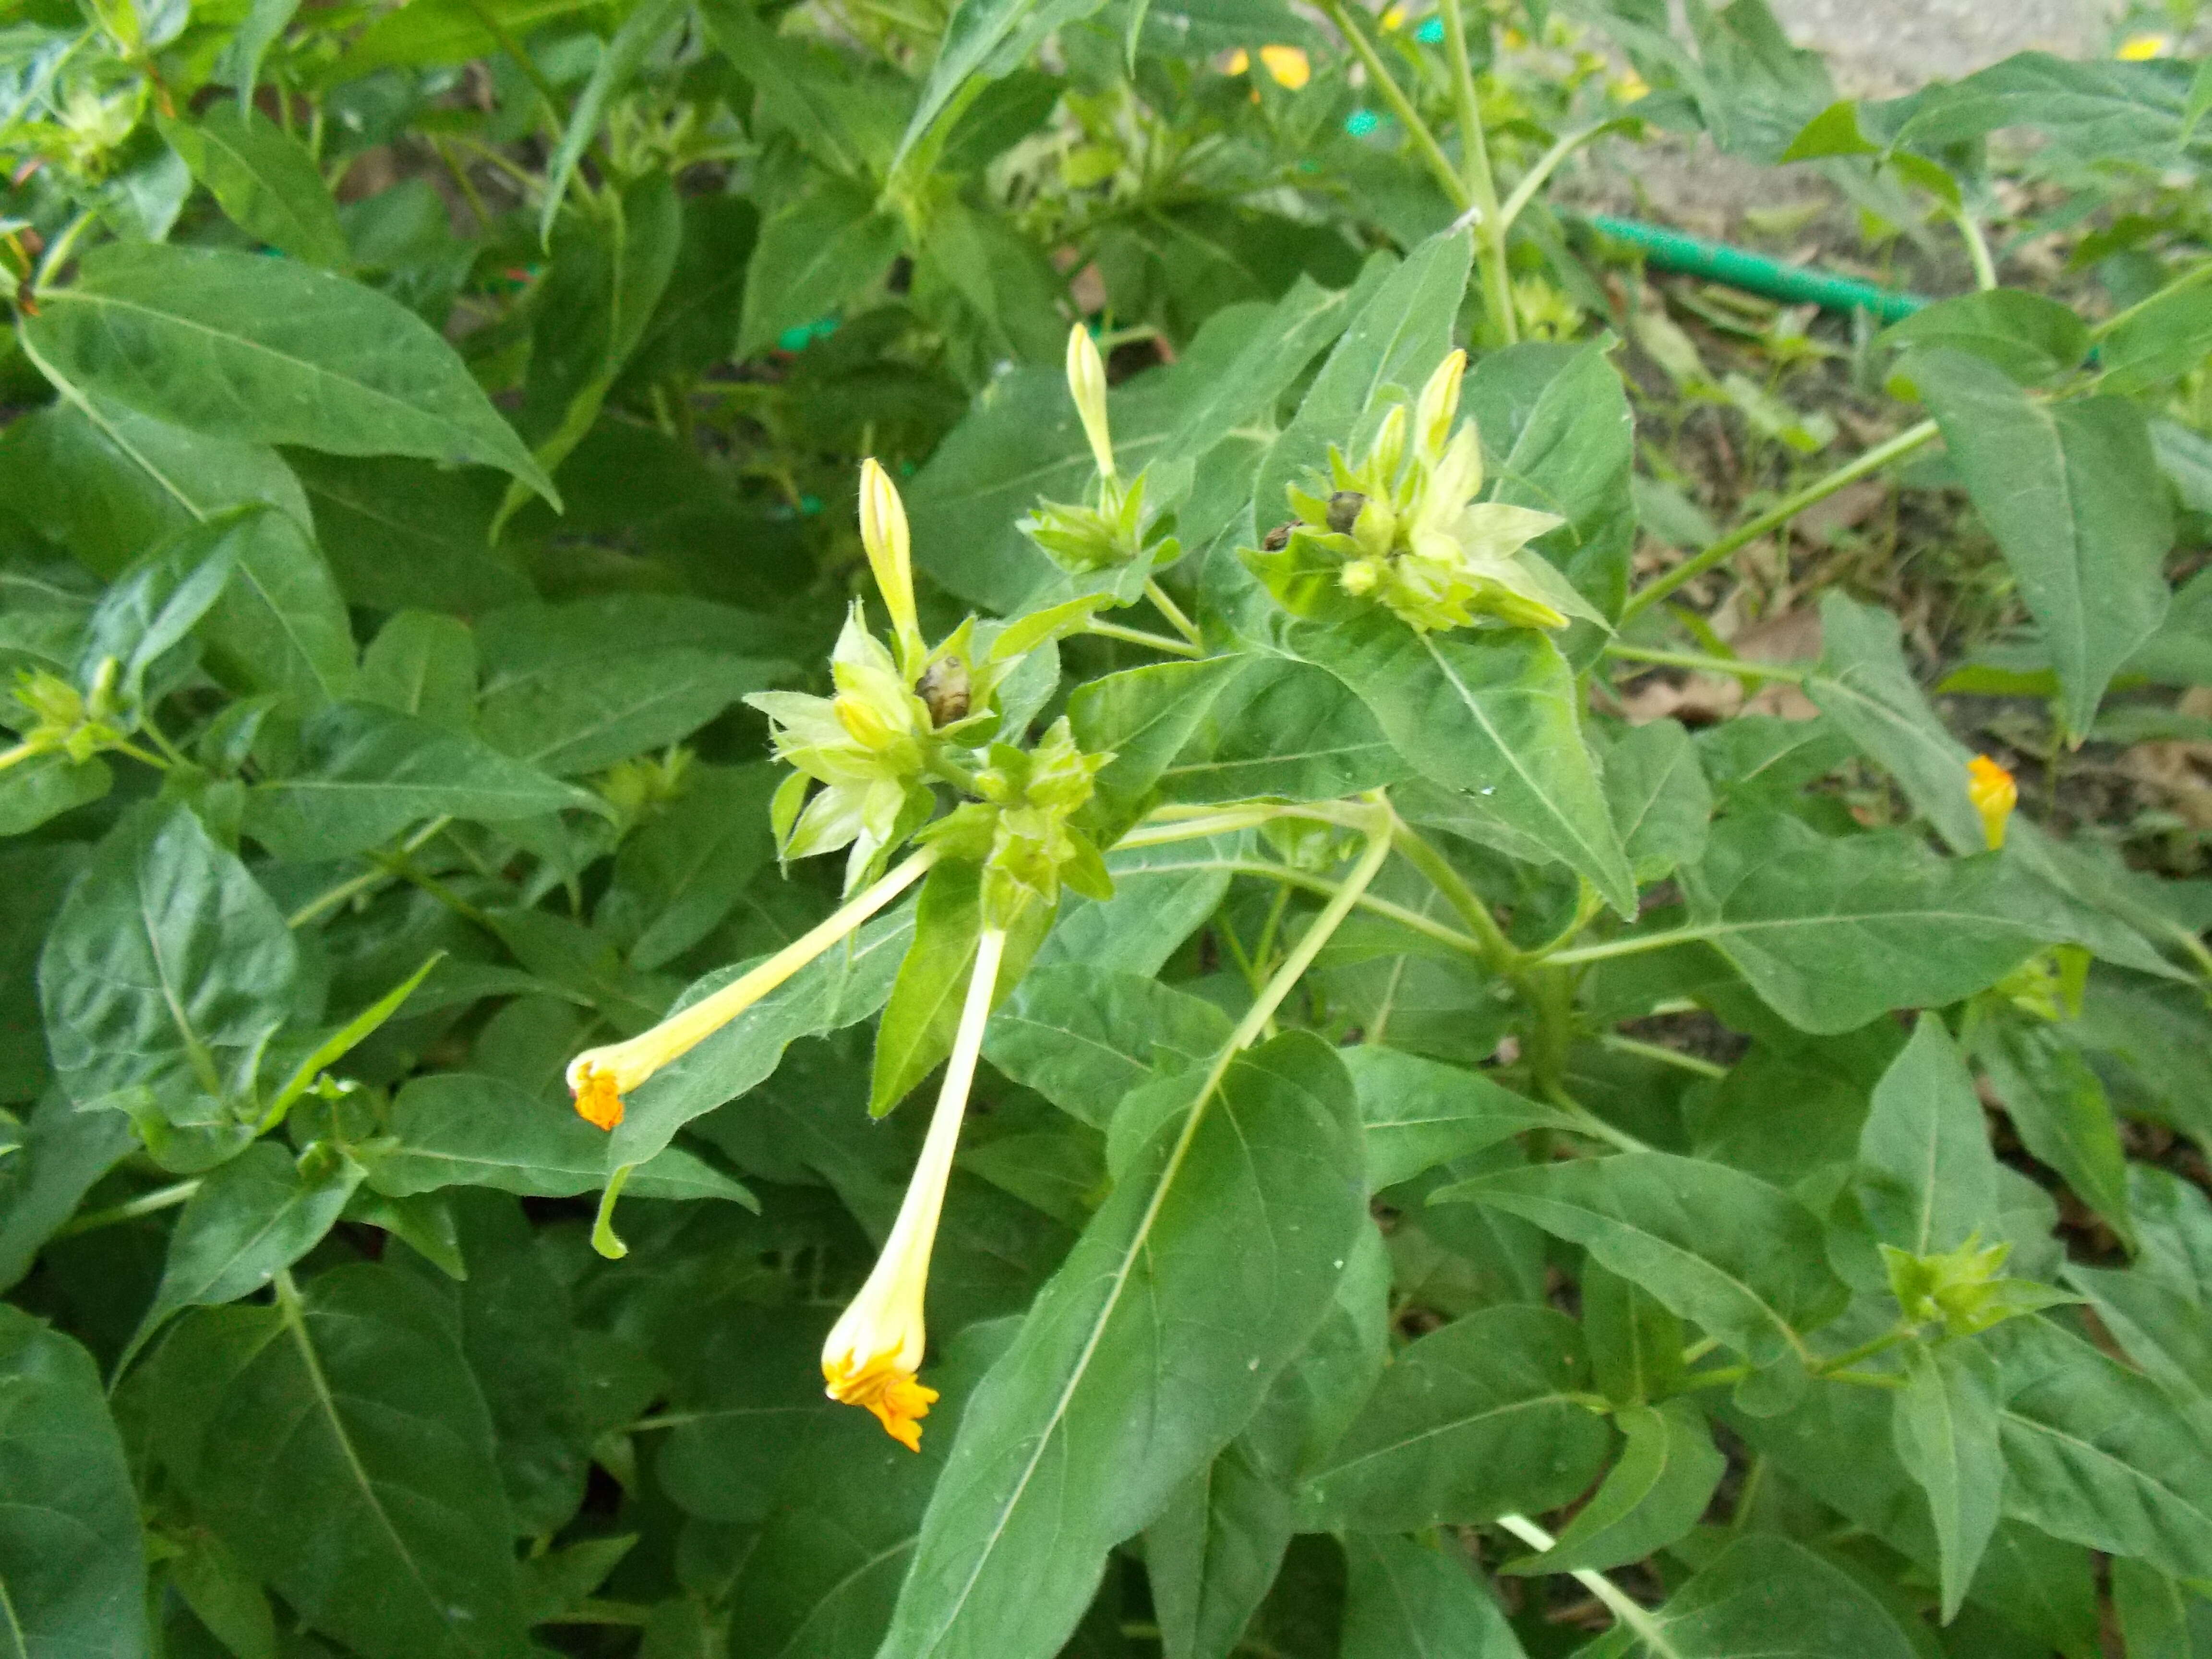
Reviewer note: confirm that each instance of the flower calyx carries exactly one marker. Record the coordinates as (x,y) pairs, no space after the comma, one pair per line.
(1401,528)
(1961,1290)
(1113,529)
(62,719)
(1022,831)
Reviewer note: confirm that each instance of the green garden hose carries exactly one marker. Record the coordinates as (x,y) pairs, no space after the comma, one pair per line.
(1754,273)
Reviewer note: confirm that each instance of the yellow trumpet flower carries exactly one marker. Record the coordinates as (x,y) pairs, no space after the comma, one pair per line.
(877,1345)
(1993,791)
(1086,384)
(599,1077)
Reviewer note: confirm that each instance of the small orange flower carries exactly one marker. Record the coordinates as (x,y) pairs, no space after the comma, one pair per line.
(598,1101)
(887,1390)
(1993,791)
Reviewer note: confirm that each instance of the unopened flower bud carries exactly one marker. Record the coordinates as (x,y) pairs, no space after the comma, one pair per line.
(1086,383)
(1994,794)
(1439,402)
(891,553)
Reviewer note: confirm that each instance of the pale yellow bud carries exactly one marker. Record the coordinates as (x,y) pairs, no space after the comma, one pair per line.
(891,554)
(1086,383)
(1439,403)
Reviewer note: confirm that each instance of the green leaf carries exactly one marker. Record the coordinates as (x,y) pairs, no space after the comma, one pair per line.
(1927,1179)
(251,1219)
(1864,685)
(2098,1454)
(682,873)
(1764,1597)
(576,687)
(815,254)
(1201,1277)
(1407,1601)
(1635,1339)
(2059,1105)
(2092,112)
(169,971)
(1492,715)
(1831,933)
(280,626)
(2162,1330)
(63,1153)
(1280,727)
(1390,348)
(610,76)
(1421,1114)
(2034,340)
(45,787)
(107,482)
(464,1129)
(72,1563)
(1657,1492)
(2071,492)
(401,532)
(1144,717)
(1211,1553)
(517,1337)
(923,1013)
(424,664)
(1557,437)
(1743,1260)
(984,39)
(1481,1418)
(1661,802)
(263,178)
(428,32)
(354,1401)
(1947,1434)
(1161,895)
(268,351)
(2159,1619)
(1085,1037)
(366,772)
(2169,337)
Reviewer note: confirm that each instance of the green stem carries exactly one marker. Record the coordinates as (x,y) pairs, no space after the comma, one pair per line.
(1881,1344)
(1427,927)
(2188,278)
(1704,665)
(523,61)
(346,889)
(1592,1125)
(1497,951)
(400,864)
(1425,142)
(1138,636)
(1736,540)
(1978,249)
(1174,613)
(1635,944)
(153,1203)
(1546,165)
(1660,1052)
(1490,224)
(604,1238)
(1630,1613)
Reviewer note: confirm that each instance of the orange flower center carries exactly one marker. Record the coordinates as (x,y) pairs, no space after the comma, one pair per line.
(598,1102)
(887,1390)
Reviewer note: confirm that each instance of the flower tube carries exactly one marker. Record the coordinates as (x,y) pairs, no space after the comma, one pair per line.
(599,1077)
(876,1346)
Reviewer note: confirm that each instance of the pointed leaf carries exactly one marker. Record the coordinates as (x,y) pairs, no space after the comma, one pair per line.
(1657,1492)
(1764,1597)
(264,179)
(1947,1437)
(1407,1601)
(1927,1181)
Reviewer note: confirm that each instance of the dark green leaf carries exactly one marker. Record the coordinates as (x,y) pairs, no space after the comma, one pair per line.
(1661,801)
(610,76)
(1766,1598)
(1281,727)
(268,351)
(1490,715)
(1406,1601)
(2098,1455)
(2167,339)
(2059,1105)
(1084,1037)
(167,971)
(1211,1553)
(356,1403)
(1927,1181)
(425,665)
(264,179)
(366,772)
(1199,1279)
(1657,1492)
(2034,340)
(815,254)
(676,879)
(1479,1420)
(2071,492)
(1745,1260)
(72,1563)
(1419,1113)
(1947,1437)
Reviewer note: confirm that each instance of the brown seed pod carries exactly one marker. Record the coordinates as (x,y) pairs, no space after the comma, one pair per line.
(1344,510)
(1278,538)
(944,689)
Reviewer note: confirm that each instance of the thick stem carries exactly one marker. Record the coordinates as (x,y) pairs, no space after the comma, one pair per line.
(1498,952)
(1489,225)
(1742,537)
(1425,142)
